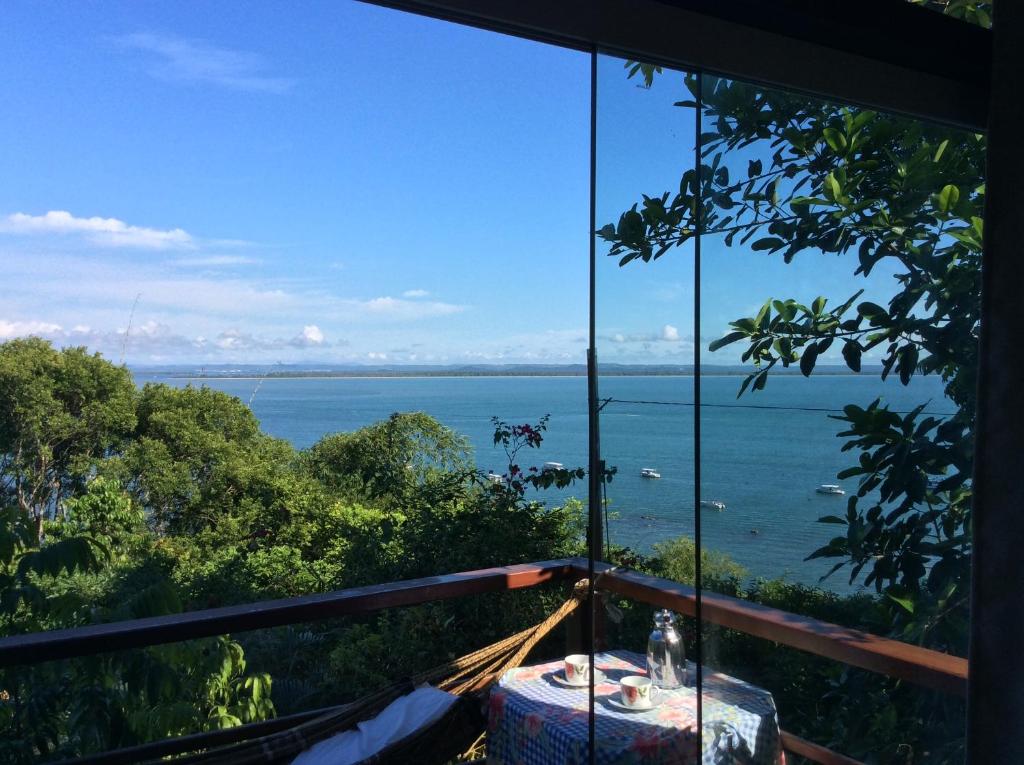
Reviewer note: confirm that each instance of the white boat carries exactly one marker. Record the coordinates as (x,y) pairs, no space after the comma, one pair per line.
(829,488)
(552,466)
(713,504)
(496,479)
(649,473)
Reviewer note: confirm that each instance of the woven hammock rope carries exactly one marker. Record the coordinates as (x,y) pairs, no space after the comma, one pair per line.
(467,677)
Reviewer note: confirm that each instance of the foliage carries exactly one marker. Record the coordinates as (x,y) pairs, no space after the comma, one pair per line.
(676,559)
(197,455)
(99,565)
(61,412)
(971,11)
(792,176)
(409,452)
(902,196)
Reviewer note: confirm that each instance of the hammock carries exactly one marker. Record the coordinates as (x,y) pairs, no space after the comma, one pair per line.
(457,730)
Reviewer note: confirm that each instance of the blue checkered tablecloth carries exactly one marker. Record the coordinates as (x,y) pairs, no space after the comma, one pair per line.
(535,720)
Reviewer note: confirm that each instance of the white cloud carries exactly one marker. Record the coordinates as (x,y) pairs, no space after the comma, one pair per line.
(154,338)
(215,260)
(311,335)
(102,231)
(415,293)
(396,308)
(196,61)
(12,329)
(668,334)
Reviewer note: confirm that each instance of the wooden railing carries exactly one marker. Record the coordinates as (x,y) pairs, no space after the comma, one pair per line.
(921,666)
(137,633)
(860,649)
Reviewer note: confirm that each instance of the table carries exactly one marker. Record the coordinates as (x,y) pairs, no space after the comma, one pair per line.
(535,720)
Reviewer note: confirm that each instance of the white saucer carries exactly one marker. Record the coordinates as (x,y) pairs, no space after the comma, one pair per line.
(559,677)
(616,702)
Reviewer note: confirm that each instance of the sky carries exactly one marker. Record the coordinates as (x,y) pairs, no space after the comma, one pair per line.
(338,183)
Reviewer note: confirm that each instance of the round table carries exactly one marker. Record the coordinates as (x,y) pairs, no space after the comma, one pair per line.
(536,720)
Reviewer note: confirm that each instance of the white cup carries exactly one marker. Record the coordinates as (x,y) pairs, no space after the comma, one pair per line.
(577,669)
(636,691)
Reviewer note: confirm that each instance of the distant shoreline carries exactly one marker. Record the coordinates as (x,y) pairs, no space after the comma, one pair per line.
(377,374)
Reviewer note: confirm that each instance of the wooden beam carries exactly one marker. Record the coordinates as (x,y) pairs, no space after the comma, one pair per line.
(995,704)
(921,666)
(884,54)
(84,641)
(814,752)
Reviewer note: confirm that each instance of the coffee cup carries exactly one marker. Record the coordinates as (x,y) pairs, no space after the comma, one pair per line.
(636,691)
(577,669)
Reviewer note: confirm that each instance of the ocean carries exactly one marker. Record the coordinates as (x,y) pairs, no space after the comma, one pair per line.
(764,462)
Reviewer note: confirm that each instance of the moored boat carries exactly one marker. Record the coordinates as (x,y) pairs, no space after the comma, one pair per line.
(649,473)
(713,504)
(829,488)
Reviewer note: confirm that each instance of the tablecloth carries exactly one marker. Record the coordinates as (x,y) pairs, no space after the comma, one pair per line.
(535,720)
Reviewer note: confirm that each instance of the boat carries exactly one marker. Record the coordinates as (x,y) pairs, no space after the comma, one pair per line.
(552,466)
(649,473)
(829,488)
(713,504)
(496,479)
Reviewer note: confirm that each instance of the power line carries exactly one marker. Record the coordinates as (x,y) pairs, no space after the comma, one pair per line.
(705,405)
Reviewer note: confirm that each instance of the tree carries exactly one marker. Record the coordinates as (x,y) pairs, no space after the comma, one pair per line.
(196,456)
(390,459)
(828,179)
(61,413)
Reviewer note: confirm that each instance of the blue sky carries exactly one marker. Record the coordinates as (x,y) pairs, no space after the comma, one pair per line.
(335,182)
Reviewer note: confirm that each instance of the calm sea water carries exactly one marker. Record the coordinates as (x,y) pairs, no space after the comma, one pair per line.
(763,463)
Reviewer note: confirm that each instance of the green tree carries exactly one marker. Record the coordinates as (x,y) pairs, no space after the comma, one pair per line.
(197,456)
(404,454)
(61,413)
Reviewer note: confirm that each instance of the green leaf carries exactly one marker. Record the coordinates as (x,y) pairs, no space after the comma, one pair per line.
(852,354)
(904,601)
(871,310)
(978,224)
(721,342)
(768,243)
(835,139)
(818,305)
(939,151)
(808,359)
(764,315)
(831,187)
(948,197)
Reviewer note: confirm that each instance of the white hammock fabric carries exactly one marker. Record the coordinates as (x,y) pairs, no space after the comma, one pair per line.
(402,717)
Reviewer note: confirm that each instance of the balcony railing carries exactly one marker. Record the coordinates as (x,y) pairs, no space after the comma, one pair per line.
(917,665)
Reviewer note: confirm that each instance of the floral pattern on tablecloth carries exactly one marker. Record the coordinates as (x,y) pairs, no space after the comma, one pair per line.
(535,720)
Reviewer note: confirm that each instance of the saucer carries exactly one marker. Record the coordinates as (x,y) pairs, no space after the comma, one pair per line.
(616,702)
(559,677)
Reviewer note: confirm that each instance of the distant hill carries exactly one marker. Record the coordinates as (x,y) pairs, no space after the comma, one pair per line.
(458,370)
